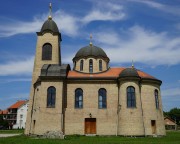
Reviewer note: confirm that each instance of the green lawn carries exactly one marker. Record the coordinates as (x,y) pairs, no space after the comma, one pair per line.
(11,131)
(171,138)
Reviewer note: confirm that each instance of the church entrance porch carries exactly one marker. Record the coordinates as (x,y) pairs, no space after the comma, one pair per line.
(90,126)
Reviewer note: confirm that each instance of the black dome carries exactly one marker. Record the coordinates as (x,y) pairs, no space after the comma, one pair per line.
(49,25)
(129,72)
(91,50)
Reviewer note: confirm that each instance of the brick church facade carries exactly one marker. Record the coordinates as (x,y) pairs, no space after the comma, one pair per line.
(92,98)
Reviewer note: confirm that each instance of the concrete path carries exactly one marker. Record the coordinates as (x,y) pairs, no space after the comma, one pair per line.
(9,135)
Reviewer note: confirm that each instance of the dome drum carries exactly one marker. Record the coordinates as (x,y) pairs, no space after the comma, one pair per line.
(91,51)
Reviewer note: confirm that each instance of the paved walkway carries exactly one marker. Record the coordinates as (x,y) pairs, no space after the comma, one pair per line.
(9,135)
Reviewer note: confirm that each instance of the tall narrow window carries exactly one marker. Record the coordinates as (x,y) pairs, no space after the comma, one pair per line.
(156,99)
(91,66)
(47,52)
(81,65)
(131,99)
(102,98)
(51,96)
(78,98)
(100,65)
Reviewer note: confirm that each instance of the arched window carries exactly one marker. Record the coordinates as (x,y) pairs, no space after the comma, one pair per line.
(100,65)
(51,96)
(156,99)
(47,52)
(78,98)
(102,98)
(131,99)
(91,66)
(81,65)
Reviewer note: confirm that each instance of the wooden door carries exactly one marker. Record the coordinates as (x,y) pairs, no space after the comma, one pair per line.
(90,125)
(153,126)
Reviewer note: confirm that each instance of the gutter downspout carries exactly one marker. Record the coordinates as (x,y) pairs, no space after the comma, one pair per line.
(118,109)
(142,108)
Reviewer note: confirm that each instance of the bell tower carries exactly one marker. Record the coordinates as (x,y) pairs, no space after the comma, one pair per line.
(48,51)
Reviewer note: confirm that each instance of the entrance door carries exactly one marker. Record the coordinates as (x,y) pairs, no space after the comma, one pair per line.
(90,125)
(153,126)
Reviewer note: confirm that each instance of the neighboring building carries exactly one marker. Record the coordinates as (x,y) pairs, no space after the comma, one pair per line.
(16,114)
(170,124)
(93,98)
(4,113)
(21,116)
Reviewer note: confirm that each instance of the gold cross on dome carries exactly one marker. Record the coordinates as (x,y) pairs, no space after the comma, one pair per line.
(90,40)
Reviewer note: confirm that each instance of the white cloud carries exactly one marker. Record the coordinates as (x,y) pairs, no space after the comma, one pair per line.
(15,80)
(171,92)
(175,10)
(65,22)
(19,27)
(19,67)
(105,12)
(170,98)
(141,45)
(68,24)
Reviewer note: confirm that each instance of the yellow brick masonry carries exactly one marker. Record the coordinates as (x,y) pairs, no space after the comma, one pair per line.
(95,65)
(38,63)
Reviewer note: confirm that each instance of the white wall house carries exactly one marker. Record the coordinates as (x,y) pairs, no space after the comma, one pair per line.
(21,116)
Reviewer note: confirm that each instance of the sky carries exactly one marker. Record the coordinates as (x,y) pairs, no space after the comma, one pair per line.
(145,31)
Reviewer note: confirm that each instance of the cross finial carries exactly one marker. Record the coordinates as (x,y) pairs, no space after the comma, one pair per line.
(90,40)
(50,11)
(132,64)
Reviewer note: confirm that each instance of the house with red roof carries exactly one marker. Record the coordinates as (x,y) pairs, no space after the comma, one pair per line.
(16,114)
(170,124)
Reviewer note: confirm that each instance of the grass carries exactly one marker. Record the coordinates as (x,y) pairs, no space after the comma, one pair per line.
(172,138)
(11,131)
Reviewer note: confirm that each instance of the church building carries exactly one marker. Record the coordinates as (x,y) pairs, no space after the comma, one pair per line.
(92,97)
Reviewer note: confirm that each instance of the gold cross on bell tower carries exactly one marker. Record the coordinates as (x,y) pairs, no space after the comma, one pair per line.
(50,11)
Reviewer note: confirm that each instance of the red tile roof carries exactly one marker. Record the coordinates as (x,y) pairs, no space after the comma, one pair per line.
(144,75)
(4,112)
(17,104)
(111,73)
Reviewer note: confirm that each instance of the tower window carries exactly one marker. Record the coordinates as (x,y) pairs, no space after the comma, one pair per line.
(156,99)
(102,98)
(100,65)
(51,96)
(81,65)
(91,66)
(131,99)
(47,52)
(78,98)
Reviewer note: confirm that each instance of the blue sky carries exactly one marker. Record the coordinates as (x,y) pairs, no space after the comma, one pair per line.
(147,31)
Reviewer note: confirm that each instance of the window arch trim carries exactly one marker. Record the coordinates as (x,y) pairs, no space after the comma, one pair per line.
(102,98)
(81,65)
(51,97)
(78,98)
(100,65)
(47,51)
(156,95)
(131,97)
(90,66)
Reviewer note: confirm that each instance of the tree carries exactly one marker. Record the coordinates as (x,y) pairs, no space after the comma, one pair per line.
(175,114)
(3,123)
